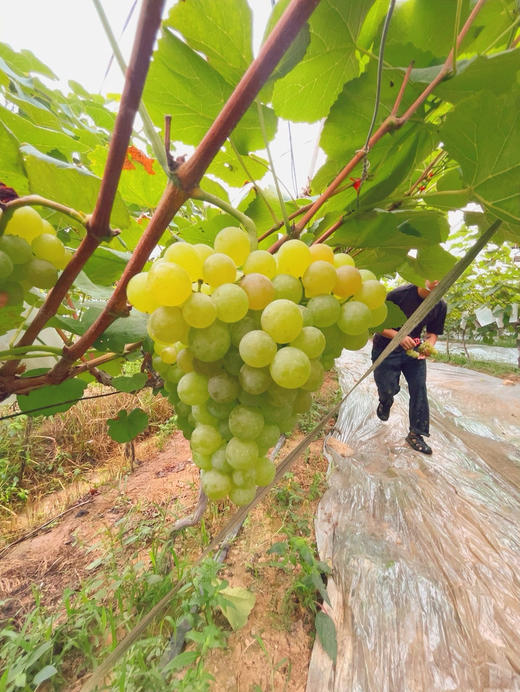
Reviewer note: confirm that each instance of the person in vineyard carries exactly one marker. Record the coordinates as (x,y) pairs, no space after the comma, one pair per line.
(410,362)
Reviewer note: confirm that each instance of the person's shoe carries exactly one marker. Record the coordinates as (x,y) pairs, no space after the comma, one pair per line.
(416,442)
(383,410)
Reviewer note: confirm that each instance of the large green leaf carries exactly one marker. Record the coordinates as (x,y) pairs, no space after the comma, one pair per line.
(482,134)
(67,184)
(239,603)
(231,171)
(11,165)
(51,399)
(402,228)
(125,330)
(181,83)
(326,632)
(310,89)
(127,426)
(381,262)
(24,61)
(434,262)
(105,265)
(221,30)
(130,383)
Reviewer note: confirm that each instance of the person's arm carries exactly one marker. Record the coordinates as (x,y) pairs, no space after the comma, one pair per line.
(406,343)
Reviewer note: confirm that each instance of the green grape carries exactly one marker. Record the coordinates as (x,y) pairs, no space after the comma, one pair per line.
(199,310)
(173,374)
(334,338)
(282,320)
(325,310)
(319,278)
(220,410)
(138,295)
(238,329)
(17,248)
(203,251)
(233,362)
(307,316)
(185,427)
(257,348)
(355,317)
(205,439)
(159,365)
(252,400)
(320,251)
(224,430)
(353,342)
(288,424)
(268,437)
(245,422)
(223,388)
(168,283)
(66,259)
(302,402)
(219,461)
(260,262)
(242,496)
(367,275)
(348,281)
(48,247)
(185,255)
(241,454)
(6,266)
(372,293)
(293,258)
(280,396)
(327,360)
(26,223)
(259,289)
(211,343)
(168,354)
(193,388)
(378,315)
(202,415)
(201,460)
(234,242)
(341,259)
(287,287)
(244,478)
(231,301)
(185,360)
(167,325)
(216,485)
(219,269)
(40,273)
(290,367)
(315,379)
(254,380)
(209,369)
(311,341)
(265,471)
(275,414)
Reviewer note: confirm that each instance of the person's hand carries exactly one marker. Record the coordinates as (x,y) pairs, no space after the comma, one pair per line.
(408,343)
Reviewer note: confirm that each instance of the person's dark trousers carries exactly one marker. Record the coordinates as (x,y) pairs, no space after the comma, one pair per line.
(387,376)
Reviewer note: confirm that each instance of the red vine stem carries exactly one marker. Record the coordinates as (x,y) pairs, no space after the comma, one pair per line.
(391,123)
(98,223)
(190,173)
(323,237)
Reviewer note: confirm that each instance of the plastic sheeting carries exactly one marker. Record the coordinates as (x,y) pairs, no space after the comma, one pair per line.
(497,354)
(425,550)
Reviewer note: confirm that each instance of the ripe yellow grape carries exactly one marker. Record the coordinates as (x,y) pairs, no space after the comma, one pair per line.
(48,247)
(48,227)
(260,262)
(199,310)
(259,289)
(290,367)
(348,281)
(138,294)
(219,269)
(169,283)
(25,222)
(342,259)
(40,273)
(320,277)
(66,259)
(293,258)
(231,301)
(203,250)
(282,320)
(355,317)
(187,257)
(367,275)
(166,324)
(378,315)
(320,251)
(372,293)
(289,287)
(234,242)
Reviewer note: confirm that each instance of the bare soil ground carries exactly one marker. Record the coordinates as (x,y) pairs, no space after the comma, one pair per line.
(272,651)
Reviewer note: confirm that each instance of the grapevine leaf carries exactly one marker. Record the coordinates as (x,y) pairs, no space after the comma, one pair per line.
(394,319)
(52,399)
(310,89)
(482,134)
(105,265)
(69,184)
(24,61)
(129,383)
(326,632)
(11,166)
(127,426)
(434,262)
(224,36)
(239,603)
(125,330)
(11,317)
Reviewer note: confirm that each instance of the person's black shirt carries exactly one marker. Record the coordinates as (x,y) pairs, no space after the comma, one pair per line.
(408,299)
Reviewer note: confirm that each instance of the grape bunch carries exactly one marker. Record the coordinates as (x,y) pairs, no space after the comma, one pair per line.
(424,348)
(243,337)
(31,255)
